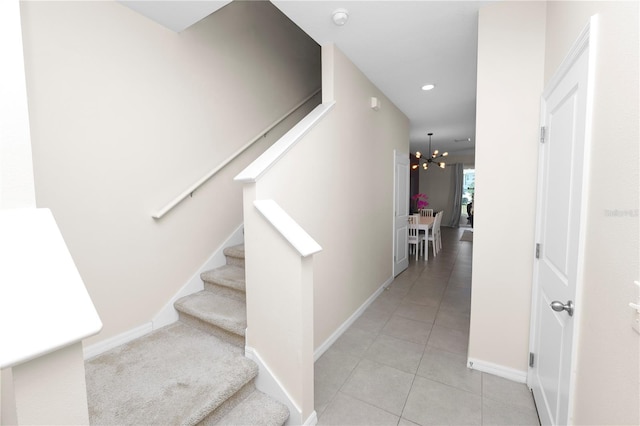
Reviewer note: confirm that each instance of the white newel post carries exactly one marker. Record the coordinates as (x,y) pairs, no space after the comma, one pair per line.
(279,280)
(45,313)
(51,389)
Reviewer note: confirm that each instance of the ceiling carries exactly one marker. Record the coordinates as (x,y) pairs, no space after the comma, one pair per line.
(399,45)
(177,15)
(403,45)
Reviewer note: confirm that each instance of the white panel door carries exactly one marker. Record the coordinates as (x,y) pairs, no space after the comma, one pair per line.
(401,215)
(559,233)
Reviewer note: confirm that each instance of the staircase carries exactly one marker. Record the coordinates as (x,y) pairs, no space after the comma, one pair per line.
(190,372)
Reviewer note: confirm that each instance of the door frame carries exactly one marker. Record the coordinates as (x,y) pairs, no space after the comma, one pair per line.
(396,270)
(585,41)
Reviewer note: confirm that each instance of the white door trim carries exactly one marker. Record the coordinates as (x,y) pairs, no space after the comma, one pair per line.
(400,213)
(585,41)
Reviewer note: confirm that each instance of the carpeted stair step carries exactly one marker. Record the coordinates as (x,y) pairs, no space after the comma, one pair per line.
(257,409)
(235,255)
(227,280)
(175,375)
(223,317)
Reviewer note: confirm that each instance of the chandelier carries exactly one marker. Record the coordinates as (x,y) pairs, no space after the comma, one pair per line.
(429,160)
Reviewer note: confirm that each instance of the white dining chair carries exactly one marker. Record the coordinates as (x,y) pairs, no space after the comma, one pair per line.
(415,239)
(441,213)
(425,213)
(434,235)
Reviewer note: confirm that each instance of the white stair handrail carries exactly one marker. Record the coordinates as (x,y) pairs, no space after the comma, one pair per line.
(289,228)
(189,191)
(276,151)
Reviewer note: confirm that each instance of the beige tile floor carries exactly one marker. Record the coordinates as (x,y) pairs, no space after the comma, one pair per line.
(403,362)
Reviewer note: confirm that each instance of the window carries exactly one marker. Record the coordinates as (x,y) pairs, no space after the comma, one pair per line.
(468,190)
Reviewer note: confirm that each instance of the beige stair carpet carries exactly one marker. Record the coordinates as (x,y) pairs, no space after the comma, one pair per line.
(191,372)
(176,375)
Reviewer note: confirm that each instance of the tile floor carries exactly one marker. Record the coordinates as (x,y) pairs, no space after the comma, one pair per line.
(403,362)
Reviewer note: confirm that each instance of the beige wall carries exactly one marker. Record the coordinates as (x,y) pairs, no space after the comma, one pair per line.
(320,184)
(510,81)
(607,388)
(126,114)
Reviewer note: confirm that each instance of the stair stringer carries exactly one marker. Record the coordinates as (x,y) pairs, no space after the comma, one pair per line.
(168,314)
(268,383)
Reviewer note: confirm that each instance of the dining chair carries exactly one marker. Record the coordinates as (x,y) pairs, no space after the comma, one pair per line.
(434,235)
(441,213)
(425,213)
(415,239)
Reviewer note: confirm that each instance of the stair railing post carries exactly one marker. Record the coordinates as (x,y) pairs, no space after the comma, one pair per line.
(279,286)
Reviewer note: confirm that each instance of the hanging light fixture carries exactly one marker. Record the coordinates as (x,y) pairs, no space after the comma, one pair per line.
(429,160)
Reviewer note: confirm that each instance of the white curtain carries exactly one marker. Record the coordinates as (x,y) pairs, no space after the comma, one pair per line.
(456,202)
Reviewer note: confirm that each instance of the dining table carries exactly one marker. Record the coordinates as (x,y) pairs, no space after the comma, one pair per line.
(426,222)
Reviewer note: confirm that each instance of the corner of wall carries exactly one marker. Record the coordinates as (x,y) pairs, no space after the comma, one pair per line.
(8,414)
(345,325)
(511,38)
(328,89)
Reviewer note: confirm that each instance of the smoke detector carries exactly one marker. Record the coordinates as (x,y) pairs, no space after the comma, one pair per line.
(340,16)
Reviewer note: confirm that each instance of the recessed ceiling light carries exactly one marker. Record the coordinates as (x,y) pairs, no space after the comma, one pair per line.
(428,87)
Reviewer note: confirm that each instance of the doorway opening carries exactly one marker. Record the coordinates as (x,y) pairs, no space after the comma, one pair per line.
(468,192)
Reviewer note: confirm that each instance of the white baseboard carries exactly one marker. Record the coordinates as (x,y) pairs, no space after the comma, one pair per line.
(268,383)
(497,370)
(345,325)
(168,314)
(312,420)
(115,341)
